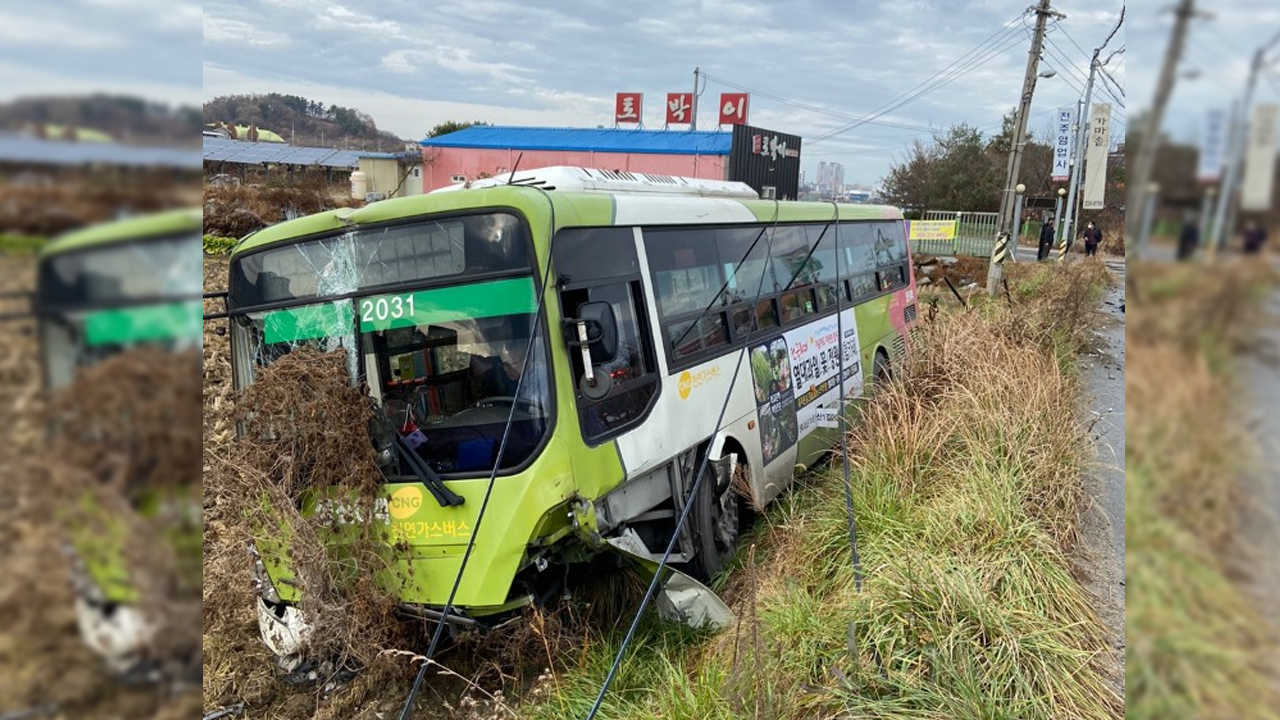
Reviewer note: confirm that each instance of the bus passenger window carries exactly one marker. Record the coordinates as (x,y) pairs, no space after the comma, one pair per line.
(693,336)
(766,315)
(797,304)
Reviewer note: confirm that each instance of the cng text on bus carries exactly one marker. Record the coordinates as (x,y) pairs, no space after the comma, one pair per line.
(690,380)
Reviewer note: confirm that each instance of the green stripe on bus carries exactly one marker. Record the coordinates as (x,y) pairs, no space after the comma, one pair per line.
(442,305)
(308,322)
(127,326)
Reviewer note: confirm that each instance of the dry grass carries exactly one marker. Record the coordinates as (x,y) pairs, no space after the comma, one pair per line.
(1198,645)
(128,439)
(966,486)
(237,210)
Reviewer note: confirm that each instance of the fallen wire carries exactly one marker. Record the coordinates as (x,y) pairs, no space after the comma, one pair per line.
(227,711)
(31,712)
(488,492)
(693,493)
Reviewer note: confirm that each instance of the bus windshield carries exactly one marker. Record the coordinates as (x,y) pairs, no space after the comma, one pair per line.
(446,364)
(101,301)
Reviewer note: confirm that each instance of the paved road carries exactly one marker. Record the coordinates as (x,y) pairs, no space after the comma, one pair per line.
(1102,523)
(1104,385)
(1261,387)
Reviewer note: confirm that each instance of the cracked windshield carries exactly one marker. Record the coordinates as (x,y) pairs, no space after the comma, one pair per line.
(447,364)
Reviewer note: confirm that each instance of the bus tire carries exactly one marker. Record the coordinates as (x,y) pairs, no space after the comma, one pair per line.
(716,516)
(880,372)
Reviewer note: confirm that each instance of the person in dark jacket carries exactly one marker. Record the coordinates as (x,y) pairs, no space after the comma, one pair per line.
(1092,239)
(1189,240)
(1046,239)
(1254,236)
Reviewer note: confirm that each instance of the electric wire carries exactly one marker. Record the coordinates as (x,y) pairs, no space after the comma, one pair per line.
(699,477)
(930,88)
(488,492)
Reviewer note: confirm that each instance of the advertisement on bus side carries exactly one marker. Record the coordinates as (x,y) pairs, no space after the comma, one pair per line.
(796,379)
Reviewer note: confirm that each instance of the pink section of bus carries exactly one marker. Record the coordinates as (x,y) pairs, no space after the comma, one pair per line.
(442,165)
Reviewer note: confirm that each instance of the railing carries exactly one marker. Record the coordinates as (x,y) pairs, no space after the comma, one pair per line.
(975,233)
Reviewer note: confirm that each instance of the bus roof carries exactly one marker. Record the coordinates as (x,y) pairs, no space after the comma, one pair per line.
(170,222)
(572,209)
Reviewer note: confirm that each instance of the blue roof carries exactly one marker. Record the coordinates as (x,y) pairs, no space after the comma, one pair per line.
(39,151)
(662,142)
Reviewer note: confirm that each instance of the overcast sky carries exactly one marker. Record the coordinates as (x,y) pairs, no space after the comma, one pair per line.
(813,65)
(147,48)
(1221,42)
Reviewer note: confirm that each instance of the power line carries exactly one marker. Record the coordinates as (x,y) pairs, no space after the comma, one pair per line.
(1057,25)
(929,86)
(811,108)
(1113,54)
(1052,50)
(1007,30)
(1114,30)
(1111,79)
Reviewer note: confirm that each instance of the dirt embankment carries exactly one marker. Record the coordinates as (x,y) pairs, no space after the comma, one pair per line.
(44,484)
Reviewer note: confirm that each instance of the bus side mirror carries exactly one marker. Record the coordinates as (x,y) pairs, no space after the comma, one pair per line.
(595,331)
(602,330)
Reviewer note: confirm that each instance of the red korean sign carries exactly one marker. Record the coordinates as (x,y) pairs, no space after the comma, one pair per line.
(626,108)
(733,108)
(679,108)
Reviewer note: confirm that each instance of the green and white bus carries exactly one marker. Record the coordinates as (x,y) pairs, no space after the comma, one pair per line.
(102,291)
(656,284)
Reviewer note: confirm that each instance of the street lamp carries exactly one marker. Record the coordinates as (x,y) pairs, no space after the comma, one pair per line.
(1057,216)
(1017,218)
(1148,216)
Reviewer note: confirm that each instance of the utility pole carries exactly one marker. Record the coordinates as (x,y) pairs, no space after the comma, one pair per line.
(1067,233)
(1225,215)
(1004,233)
(693,117)
(1151,132)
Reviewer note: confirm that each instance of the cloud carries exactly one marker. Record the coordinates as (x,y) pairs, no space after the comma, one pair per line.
(32,29)
(238,32)
(454,59)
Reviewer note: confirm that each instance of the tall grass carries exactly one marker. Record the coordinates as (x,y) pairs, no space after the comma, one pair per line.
(1198,646)
(966,488)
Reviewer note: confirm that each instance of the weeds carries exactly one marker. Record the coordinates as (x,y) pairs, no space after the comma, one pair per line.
(1199,647)
(966,480)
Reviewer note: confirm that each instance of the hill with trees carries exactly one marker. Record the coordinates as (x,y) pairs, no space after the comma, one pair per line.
(121,118)
(302,121)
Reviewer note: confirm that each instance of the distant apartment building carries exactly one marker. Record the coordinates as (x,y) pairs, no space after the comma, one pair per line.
(830,179)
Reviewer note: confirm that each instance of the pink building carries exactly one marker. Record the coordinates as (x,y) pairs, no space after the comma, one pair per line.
(482,150)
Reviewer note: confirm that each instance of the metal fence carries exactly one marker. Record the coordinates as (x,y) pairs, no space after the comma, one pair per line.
(975,234)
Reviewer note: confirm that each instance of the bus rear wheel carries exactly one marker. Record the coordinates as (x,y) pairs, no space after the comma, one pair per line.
(716,517)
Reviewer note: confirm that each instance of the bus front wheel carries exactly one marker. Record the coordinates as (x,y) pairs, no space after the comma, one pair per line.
(715,515)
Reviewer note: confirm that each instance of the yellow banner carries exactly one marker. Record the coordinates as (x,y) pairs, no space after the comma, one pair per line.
(932,230)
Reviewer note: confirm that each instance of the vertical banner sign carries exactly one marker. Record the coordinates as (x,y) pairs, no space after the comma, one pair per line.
(626,108)
(1095,161)
(1213,145)
(1260,158)
(679,108)
(1062,145)
(733,108)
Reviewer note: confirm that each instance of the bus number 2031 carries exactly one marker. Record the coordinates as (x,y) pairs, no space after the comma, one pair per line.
(383,308)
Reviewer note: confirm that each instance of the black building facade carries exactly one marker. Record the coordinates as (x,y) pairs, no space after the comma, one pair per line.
(767,160)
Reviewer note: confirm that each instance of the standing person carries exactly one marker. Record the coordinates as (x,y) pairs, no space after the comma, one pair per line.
(1092,239)
(1254,236)
(1046,239)
(1189,240)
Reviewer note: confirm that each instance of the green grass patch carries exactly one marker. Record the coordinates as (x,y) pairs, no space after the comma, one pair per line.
(21,244)
(218,245)
(966,505)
